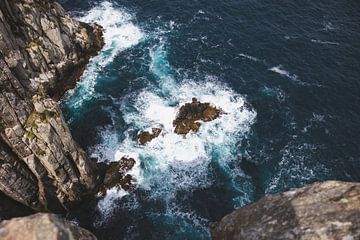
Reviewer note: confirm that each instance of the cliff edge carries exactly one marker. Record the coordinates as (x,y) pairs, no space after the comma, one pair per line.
(328,210)
(43,52)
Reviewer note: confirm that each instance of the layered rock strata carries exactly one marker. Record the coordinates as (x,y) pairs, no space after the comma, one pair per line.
(329,210)
(43,52)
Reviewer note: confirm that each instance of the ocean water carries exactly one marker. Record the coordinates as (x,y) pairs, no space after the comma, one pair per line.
(285,73)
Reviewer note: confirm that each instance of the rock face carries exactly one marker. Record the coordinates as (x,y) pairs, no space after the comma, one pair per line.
(43,53)
(42,226)
(191,113)
(329,210)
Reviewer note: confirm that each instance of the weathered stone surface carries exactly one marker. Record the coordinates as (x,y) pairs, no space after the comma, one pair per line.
(145,136)
(116,174)
(42,53)
(42,226)
(329,210)
(190,114)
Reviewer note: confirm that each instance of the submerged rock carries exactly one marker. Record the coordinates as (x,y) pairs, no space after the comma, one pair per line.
(329,210)
(42,226)
(116,174)
(190,114)
(145,137)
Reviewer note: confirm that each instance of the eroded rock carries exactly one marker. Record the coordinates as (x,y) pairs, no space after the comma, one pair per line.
(43,53)
(116,174)
(145,137)
(42,226)
(328,210)
(189,116)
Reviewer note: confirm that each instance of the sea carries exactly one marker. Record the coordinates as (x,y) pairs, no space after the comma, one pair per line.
(285,73)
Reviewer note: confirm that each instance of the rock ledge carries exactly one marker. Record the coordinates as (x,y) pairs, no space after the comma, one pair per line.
(328,210)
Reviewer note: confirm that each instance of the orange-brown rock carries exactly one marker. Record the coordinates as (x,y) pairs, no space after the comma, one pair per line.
(145,137)
(190,114)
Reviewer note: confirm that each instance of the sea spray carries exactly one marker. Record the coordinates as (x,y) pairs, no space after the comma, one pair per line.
(120,33)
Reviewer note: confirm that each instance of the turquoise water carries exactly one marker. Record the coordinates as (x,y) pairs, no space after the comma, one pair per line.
(285,74)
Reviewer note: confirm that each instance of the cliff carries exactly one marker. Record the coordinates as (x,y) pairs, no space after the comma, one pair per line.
(42,226)
(42,53)
(329,210)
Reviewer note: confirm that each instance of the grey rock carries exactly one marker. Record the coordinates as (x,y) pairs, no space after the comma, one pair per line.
(42,226)
(328,210)
(43,52)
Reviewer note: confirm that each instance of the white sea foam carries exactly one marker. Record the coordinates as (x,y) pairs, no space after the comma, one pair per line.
(106,205)
(120,33)
(249,57)
(280,70)
(170,162)
(324,42)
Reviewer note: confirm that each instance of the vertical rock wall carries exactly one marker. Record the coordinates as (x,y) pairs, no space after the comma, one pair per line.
(42,53)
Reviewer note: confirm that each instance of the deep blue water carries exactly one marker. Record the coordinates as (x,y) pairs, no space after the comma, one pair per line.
(287,73)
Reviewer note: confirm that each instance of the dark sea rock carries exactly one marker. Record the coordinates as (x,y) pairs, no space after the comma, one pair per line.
(145,137)
(43,53)
(328,210)
(42,226)
(116,174)
(189,115)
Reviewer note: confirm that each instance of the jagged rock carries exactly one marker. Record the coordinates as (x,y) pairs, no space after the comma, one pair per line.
(42,226)
(43,53)
(116,174)
(329,210)
(145,137)
(190,114)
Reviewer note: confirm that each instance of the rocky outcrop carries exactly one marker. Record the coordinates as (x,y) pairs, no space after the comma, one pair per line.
(42,226)
(146,136)
(116,174)
(190,114)
(329,210)
(42,53)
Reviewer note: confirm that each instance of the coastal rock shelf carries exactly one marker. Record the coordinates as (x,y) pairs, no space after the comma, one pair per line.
(43,53)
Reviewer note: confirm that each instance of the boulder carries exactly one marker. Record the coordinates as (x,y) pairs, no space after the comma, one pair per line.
(116,174)
(189,116)
(42,226)
(145,137)
(328,210)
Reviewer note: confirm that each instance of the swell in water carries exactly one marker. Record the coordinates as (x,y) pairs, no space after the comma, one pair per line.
(170,168)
